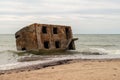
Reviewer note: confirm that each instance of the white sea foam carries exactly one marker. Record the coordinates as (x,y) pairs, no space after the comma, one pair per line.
(93,51)
(75,56)
(114,51)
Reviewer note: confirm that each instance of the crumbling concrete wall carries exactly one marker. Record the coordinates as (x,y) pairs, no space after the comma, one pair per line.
(44,36)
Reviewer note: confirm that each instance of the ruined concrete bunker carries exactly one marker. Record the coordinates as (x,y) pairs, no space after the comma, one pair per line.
(36,37)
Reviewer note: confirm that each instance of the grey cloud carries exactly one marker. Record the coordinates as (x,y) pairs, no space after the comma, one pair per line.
(40,8)
(61,12)
(86,16)
(99,11)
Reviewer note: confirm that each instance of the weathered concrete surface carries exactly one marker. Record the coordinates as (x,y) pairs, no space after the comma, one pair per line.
(38,37)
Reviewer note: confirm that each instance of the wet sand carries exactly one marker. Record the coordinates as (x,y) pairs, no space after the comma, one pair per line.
(73,70)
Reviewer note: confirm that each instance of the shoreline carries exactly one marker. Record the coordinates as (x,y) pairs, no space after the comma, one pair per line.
(79,69)
(40,66)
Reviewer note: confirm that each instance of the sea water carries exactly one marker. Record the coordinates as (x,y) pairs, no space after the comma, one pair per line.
(104,43)
(87,47)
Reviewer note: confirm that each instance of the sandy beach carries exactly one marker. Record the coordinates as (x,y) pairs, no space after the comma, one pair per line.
(75,70)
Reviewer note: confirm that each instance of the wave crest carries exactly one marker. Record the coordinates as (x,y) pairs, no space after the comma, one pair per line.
(93,51)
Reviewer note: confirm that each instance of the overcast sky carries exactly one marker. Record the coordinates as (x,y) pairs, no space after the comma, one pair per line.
(85,16)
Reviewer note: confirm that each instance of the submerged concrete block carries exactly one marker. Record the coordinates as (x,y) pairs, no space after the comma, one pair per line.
(38,37)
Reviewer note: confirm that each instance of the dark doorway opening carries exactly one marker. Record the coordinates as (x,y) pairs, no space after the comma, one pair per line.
(46,44)
(44,29)
(67,33)
(55,31)
(71,46)
(57,44)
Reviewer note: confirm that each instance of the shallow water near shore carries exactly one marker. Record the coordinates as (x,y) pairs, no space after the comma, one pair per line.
(87,47)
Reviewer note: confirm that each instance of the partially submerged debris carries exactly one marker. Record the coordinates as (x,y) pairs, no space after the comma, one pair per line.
(45,38)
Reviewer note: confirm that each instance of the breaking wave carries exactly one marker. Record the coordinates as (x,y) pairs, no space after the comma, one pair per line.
(8,51)
(98,51)
(93,51)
